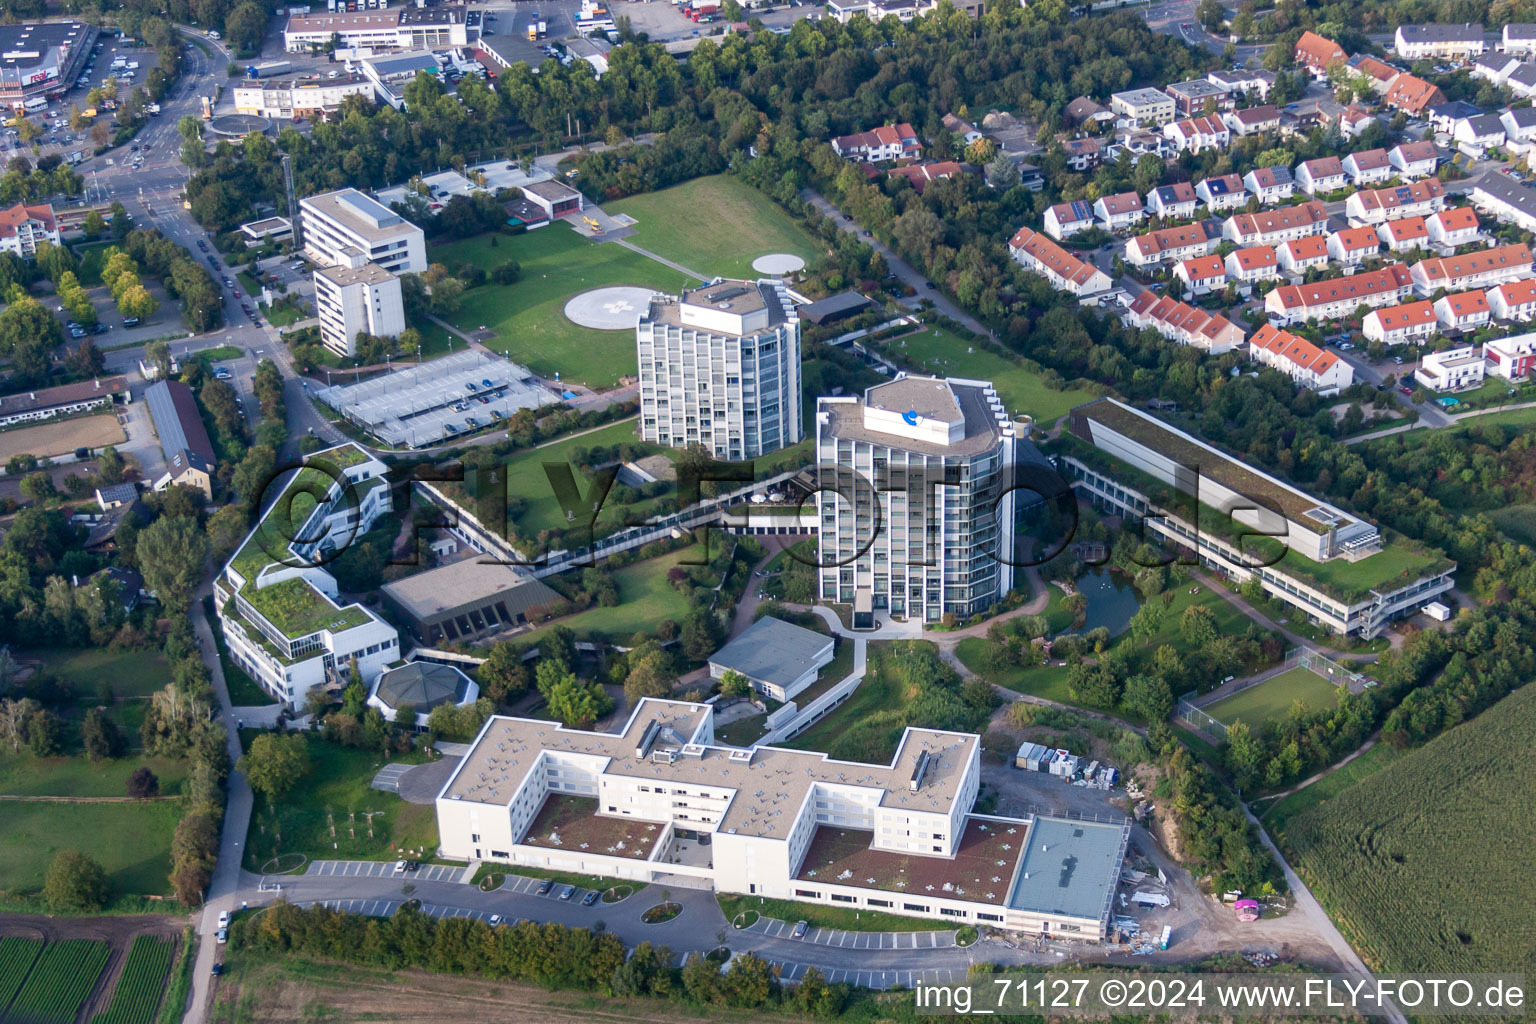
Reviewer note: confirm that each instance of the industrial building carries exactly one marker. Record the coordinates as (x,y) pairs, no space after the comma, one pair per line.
(720,368)
(661,799)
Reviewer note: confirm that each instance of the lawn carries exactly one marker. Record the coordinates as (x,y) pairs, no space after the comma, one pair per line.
(436,340)
(939,351)
(25,775)
(1506,418)
(826,917)
(91,255)
(528,317)
(130,673)
(337,788)
(715,225)
(1281,813)
(1273,698)
(248,282)
(878,692)
(645,600)
(131,841)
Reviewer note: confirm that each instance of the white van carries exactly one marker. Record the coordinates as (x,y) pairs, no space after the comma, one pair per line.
(133,65)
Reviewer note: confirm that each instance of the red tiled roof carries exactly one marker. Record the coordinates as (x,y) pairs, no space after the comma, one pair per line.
(1256,258)
(1456,220)
(1324,166)
(1406,228)
(1358,238)
(1409,314)
(1190,127)
(1052,255)
(13,218)
(1369,159)
(1310,248)
(1203,268)
(1516,293)
(1154,242)
(1124,202)
(1257,115)
(1373,68)
(1317,51)
(1413,94)
(1293,349)
(1466,303)
(1401,195)
(1387,279)
(1266,221)
(1412,152)
(1448,268)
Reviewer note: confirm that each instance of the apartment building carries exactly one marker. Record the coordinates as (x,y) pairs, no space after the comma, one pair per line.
(1440,42)
(1372,206)
(24,226)
(1462,311)
(1451,229)
(1407,324)
(1327,568)
(357,300)
(288,99)
(1066,272)
(1404,234)
(1173,202)
(1120,211)
(1512,358)
(1453,369)
(1202,274)
(1271,227)
(345,226)
(1353,246)
(1253,120)
(1169,245)
(1482,268)
(1514,300)
(1066,219)
(661,798)
(1191,98)
(1413,160)
(1255,83)
(1300,255)
(1197,134)
(1144,108)
(1338,298)
(278,609)
(1308,365)
(1184,324)
(1325,174)
(1224,192)
(1271,184)
(720,367)
(916,506)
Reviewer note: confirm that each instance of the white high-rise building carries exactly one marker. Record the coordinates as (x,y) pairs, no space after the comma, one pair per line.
(357,300)
(341,226)
(916,510)
(720,367)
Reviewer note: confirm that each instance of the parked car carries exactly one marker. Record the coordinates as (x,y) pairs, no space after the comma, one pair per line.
(495,920)
(1405,389)
(223,919)
(545,886)
(568,892)
(218,969)
(589,899)
(399,867)
(222,936)
(130,321)
(799,932)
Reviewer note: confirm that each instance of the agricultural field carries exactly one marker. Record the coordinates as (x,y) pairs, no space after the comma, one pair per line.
(1273,698)
(941,352)
(137,859)
(1517,521)
(59,983)
(16,958)
(528,317)
(1425,863)
(715,225)
(62,437)
(142,983)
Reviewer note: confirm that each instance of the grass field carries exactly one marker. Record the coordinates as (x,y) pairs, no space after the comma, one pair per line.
(1273,697)
(645,600)
(337,787)
(527,481)
(131,841)
(939,351)
(24,775)
(1426,863)
(716,226)
(1283,811)
(62,437)
(1506,417)
(529,316)
(878,692)
(840,918)
(131,673)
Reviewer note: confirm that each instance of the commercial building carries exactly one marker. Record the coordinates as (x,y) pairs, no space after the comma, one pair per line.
(1144,108)
(467,601)
(41,60)
(916,507)
(1340,297)
(661,798)
(189,455)
(720,367)
(1312,367)
(64,400)
(357,300)
(293,99)
(343,226)
(1190,98)
(1065,272)
(1454,369)
(23,227)
(420,686)
(1319,560)
(779,659)
(278,608)
(1440,42)
(437,27)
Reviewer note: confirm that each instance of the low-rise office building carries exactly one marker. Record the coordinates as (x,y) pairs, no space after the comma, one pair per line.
(63,400)
(468,602)
(345,226)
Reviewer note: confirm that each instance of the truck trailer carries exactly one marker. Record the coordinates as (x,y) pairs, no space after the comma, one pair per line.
(269,69)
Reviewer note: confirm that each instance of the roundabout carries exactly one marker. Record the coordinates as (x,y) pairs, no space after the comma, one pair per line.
(609,309)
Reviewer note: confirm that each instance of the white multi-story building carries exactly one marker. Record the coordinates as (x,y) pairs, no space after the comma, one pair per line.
(917,499)
(286,99)
(1399,325)
(344,226)
(1066,219)
(1454,369)
(1413,160)
(1270,184)
(278,608)
(1519,39)
(1506,200)
(1440,42)
(1451,229)
(1300,255)
(357,300)
(1202,274)
(1325,174)
(1353,246)
(1119,211)
(1197,134)
(1143,108)
(1328,566)
(1368,167)
(1271,227)
(1512,358)
(1481,268)
(1223,192)
(438,27)
(720,367)
(23,227)
(660,798)
(1404,234)
(1515,300)
(1462,311)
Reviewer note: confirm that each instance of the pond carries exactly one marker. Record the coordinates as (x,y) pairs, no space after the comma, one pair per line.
(1112,600)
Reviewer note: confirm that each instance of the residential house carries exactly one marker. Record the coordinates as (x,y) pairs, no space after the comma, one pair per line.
(1443,116)
(1143,108)
(1494,67)
(1522,81)
(1300,255)
(1198,134)
(1255,83)
(1374,205)
(1325,174)
(1413,160)
(1170,245)
(1118,212)
(1452,229)
(1506,200)
(1368,167)
(1202,274)
(920,175)
(1271,184)
(1519,127)
(1083,154)
(1191,98)
(1478,134)
(1083,111)
(1482,268)
(1247,267)
(1412,95)
(1271,227)
(1354,246)
(1454,369)
(1302,361)
(1150,141)
(1225,192)
(1380,74)
(1462,311)
(1340,297)
(1355,120)
(1513,300)
(1404,234)
(1440,42)
(1185,324)
(1511,358)
(1401,325)
(1173,202)
(956,125)
(1065,272)
(888,142)
(1519,39)
(1066,219)
(1315,53)
(1254,120)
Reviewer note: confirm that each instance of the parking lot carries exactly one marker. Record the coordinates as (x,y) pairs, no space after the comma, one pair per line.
(58,137)
(775,929)
(386,869)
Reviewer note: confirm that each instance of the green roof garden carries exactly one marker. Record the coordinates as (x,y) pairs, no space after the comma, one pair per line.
(297,609)
(342,457)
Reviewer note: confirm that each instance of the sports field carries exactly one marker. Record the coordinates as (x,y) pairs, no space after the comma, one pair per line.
(61,437)
(938,351)
(716,225)
(1273,697)
(528,317)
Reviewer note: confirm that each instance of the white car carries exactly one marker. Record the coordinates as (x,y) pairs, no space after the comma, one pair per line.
(399,867)
(223,919)
(223,936)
